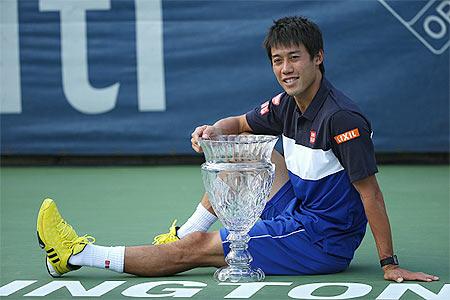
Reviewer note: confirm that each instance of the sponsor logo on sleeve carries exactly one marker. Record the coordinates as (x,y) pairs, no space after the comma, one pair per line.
(277,99)
(347,136)
(264,108)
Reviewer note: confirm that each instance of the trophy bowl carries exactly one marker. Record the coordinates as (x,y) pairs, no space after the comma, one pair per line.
(238,177)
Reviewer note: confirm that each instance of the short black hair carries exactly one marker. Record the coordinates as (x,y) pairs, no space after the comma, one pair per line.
(294,31)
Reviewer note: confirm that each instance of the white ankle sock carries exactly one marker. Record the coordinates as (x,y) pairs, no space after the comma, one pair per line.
(200,220)
(111,258)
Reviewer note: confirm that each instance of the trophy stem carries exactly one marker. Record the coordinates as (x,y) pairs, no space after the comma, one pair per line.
(238,260)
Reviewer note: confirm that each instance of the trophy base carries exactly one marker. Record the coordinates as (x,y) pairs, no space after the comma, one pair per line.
(234,274)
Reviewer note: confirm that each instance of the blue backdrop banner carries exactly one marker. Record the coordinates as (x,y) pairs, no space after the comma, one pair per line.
(122,77)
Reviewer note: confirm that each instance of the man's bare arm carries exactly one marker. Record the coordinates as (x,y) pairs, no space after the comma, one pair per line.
(376,214)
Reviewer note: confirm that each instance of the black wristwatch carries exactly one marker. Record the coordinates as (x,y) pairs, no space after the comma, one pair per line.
(391,260)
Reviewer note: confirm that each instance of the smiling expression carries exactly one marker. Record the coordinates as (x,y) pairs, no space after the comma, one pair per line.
(297,73)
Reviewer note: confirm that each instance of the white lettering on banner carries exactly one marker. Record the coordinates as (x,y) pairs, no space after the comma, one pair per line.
(14,286)
(150,56)
(79,92)
(396,290)
(433,18)
(354,290)
(441,10)
(438,21)
(74,63)
(75,288)
(10,93)
(246,290)
(141,290)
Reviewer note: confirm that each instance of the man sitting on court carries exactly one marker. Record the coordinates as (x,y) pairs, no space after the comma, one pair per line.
(324,193)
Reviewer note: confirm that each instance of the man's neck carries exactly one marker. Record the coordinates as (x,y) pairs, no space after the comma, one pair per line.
(304,100)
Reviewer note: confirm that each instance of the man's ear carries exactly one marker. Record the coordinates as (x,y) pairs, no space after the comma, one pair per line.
(318,58)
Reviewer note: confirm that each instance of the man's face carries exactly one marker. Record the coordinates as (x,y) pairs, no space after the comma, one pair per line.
(294,69)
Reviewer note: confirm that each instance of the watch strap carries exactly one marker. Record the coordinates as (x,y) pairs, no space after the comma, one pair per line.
(391,260)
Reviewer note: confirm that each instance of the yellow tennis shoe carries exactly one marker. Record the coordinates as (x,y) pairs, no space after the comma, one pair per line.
(169,237)
(58,239)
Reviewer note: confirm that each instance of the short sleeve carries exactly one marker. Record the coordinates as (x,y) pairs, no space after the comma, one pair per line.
(268,117)
(351,142)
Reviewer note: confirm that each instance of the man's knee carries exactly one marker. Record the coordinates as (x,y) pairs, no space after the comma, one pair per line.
(197,237)
(201,240)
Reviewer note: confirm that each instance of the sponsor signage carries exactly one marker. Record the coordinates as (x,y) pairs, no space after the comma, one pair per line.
(429,21)
(346,136)
(189,289)
(115,77)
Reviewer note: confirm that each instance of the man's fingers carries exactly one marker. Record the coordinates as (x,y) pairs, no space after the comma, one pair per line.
(198,131)
(394,276)
(415,276)
(208,132)
(400,275)
(424,277)
(205,132)
(195,146)
(197,149)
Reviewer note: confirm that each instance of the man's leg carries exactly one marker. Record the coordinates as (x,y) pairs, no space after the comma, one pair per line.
(281,173)
(201,220)
(66,251)
(204,216)
(198,249)
(281,246)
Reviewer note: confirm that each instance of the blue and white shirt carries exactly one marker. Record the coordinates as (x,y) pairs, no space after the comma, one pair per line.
(326,148)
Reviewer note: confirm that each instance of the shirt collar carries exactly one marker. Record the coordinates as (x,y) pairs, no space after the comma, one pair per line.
(318,100)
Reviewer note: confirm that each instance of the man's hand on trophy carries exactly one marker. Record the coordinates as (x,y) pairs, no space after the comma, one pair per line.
(204,132)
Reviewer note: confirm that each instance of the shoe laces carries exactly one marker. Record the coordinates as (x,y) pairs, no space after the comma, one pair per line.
(65,229)
(171,236)
(81,240)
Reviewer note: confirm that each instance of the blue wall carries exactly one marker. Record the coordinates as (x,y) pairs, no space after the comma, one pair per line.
(136,77)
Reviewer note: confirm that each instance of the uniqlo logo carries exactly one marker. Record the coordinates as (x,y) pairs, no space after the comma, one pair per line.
(312,137)
(347,136)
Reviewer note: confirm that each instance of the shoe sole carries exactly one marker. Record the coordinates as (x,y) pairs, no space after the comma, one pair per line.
(52,272)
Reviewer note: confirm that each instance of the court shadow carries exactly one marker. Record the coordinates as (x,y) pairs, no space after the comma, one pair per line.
(362,268)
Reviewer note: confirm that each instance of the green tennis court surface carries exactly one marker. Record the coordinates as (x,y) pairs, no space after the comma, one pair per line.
(129,205)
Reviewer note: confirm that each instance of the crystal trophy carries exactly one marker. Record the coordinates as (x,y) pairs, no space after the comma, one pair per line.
(238,176)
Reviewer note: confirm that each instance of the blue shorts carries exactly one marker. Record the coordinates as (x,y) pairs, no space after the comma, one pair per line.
(280,245)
